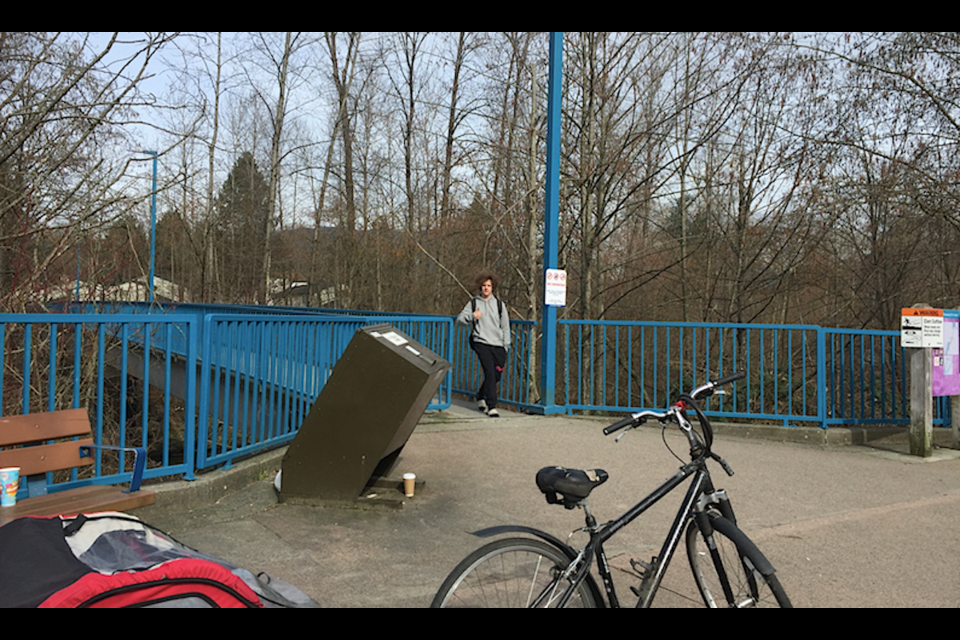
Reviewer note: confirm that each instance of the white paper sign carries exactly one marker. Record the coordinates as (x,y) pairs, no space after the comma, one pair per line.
(933,333)
(555,290)
(395,338)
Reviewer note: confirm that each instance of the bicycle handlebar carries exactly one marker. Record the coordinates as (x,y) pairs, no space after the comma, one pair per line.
(733,377)
(623,424)
(705,391)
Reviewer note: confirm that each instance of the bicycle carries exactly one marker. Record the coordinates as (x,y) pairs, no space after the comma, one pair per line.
(541,571)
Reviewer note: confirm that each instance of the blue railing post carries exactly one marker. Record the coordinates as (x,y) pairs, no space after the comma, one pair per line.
(194,327)
(200,453)
(822,377)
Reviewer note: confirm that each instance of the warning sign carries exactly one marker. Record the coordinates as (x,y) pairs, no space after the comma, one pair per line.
(921,328)
(555,288)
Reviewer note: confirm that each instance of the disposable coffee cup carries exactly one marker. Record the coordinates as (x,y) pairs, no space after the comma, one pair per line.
(9,485)
(409,479)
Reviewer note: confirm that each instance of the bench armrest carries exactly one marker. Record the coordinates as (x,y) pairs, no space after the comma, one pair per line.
(139,463)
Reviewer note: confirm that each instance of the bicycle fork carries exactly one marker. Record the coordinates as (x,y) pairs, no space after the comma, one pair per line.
(718,498)
(699,496)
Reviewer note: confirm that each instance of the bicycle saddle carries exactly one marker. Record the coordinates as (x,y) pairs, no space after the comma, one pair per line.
(572,485)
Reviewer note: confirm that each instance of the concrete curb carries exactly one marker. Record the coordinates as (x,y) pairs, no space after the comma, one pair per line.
(214,485)
(835,436)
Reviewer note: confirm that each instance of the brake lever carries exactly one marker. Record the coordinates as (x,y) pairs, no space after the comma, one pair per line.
(723,463)
(629,429)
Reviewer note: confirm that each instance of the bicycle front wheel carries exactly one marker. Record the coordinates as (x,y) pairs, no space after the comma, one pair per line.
(512,573)
(738,559)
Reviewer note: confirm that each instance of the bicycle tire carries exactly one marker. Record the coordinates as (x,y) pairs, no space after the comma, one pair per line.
(512,573)
(740,559)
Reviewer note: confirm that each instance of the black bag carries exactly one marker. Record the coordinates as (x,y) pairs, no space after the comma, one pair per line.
(112,560)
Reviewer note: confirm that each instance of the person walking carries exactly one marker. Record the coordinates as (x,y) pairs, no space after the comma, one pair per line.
(489,338)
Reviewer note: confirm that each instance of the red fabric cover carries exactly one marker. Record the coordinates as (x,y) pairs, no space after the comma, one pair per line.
(166,581)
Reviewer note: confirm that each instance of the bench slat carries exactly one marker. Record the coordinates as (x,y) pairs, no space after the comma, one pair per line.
(91,499)
(46,457)
(38,427)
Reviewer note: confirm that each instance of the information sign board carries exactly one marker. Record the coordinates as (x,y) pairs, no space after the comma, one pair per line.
(946,361)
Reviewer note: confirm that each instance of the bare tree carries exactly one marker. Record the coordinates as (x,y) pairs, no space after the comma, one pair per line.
(63,154)
(763,214)
(408,91)
(277,60)
(342,70)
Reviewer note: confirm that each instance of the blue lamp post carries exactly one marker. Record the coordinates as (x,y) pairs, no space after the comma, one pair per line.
(551,226)
(153,223)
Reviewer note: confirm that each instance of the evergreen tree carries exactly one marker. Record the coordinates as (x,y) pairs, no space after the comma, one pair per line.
(241,213)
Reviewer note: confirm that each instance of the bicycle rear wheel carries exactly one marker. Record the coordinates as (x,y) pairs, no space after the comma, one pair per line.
(739,559)
(512,573)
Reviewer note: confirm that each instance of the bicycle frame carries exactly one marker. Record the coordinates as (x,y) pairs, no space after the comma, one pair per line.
(692,504)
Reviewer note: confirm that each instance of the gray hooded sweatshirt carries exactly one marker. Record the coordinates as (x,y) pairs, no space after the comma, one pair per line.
(489,329)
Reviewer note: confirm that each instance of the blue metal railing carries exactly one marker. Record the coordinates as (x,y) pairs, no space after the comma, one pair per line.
(124,369)
(866,378)
(261,374)
(633,366)
(260,377)
(196,392)
(795,373)
(203,385)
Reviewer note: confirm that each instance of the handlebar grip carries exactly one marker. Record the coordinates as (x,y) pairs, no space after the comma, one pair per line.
(733,377)
(623,424)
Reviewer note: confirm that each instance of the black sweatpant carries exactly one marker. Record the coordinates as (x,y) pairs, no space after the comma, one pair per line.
(492,361)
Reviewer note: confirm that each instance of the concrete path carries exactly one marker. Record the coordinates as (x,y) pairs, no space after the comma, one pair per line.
(845,526)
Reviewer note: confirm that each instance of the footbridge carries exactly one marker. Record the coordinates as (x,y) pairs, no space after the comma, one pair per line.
(201,386)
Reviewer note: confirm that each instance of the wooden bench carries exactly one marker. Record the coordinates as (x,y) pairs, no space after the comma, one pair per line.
(35,456)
